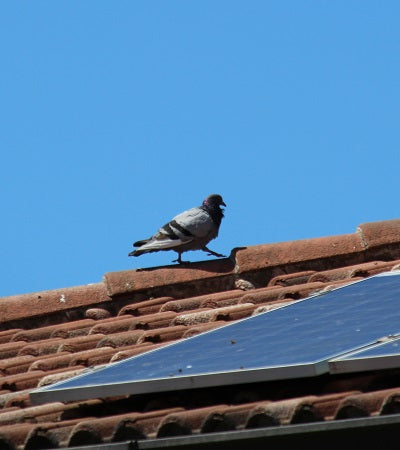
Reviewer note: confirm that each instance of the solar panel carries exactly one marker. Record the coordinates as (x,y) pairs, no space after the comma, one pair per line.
(381,355)
(293,341)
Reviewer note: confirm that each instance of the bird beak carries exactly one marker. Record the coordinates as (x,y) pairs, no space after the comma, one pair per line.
(223,204)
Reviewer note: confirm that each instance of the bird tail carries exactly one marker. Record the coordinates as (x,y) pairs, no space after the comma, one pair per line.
(140,243)
(139,252)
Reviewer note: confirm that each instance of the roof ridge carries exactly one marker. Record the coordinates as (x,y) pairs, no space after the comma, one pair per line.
(246,268)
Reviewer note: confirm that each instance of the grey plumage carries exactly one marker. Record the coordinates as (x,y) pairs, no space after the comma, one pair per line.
(191,230)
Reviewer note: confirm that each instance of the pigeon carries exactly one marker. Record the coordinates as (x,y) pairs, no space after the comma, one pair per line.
(191,230)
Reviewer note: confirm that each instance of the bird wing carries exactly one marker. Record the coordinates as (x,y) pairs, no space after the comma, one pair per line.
(161,241)
(196,222)
(182,229)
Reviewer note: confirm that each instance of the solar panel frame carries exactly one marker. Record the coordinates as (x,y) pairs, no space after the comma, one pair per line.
(378,356)
(282,326)
(179,383)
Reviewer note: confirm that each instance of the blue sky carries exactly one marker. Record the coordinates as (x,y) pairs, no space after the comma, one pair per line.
(116,116)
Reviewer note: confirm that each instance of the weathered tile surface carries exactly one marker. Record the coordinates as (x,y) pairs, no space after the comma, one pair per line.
(49,336)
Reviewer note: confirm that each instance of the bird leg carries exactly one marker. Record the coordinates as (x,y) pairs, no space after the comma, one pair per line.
(211,253)
(179,260)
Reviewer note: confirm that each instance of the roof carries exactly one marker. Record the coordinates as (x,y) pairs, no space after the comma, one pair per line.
(51,335)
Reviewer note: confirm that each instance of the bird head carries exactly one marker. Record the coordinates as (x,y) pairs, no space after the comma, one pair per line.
(213,201)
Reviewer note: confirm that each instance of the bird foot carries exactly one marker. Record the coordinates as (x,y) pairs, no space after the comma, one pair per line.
(218,255)
(212,253)
(179,261)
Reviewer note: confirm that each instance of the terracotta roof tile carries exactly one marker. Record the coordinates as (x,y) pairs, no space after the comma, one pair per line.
(94,357)
(80,343)
(271,294)
(218,299)
(298,410)
(50,434)
(186,304)
(138,426)
(349,272)
(52,361)
(264,307)
(55,376)
(40,348)
(111,326)
(7,397)
(20,381)
(7,335)
(292,279)
(152,321)
(65,331)
(43,362)
(201,328)
(118,340)
(131,281)
(230,297)
(325,406)
(129,425)
(289,253)
(162,334)
(366,404)
(242,284)
(14,436)
(11,349)
(134,350)
(186,422)
(232,417)
(59,330)
(376,234)
(48,302)
(15,365)
(20,399)
(145,307)
(31,414)
(97,313)
(227,313)
(391,404)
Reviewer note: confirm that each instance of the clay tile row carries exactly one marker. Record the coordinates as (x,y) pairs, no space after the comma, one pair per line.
(178,421)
